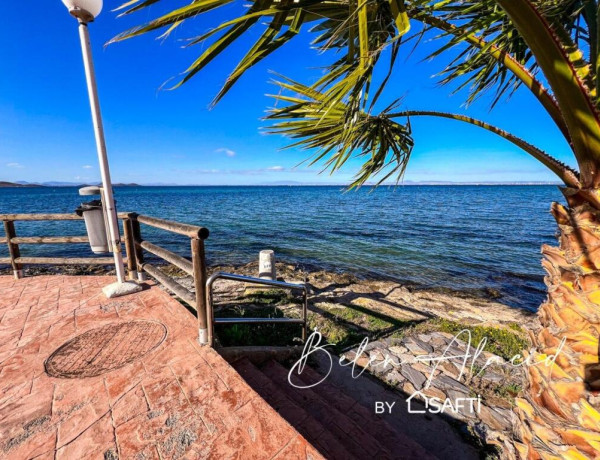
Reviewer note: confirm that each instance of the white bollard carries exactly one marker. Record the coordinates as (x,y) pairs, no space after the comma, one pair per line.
(266,265)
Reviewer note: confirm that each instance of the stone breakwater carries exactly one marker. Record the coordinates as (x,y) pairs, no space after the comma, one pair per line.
(480,398)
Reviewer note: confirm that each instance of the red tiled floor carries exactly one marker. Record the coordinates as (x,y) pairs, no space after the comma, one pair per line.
(178,401)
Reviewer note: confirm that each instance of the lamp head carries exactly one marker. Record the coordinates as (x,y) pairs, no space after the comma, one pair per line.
(84,10)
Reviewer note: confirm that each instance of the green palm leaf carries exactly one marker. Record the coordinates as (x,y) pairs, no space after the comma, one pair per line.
(337,137)
(265,45)
(314,122)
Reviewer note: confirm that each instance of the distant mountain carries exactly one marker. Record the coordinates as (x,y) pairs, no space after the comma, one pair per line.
(283,183)
(163,184)
(18,184)
(21,183)
(45,184)
(61,184)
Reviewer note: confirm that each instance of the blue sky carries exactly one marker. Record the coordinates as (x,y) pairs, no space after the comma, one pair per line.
(172,137)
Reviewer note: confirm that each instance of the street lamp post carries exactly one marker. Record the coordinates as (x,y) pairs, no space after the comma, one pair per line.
(86,11)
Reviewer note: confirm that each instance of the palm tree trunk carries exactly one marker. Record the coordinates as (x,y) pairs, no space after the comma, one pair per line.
(559,416)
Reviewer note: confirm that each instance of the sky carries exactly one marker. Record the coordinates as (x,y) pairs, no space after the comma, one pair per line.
(155,135)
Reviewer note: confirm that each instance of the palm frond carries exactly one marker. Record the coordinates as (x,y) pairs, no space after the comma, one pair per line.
(492,69)
(339,133)
(556,59)
(474,67)
(564,172)
(264,46)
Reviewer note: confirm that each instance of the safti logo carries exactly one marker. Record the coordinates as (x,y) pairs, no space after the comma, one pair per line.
(436,405)
(433,405)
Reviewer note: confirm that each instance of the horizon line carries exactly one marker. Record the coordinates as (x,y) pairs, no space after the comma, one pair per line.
(20,184)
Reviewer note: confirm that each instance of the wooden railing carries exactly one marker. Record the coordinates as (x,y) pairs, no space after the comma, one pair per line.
(13,242)
(135,246)
(195,268)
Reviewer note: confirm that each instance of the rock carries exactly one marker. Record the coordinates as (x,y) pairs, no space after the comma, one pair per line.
(492,377)
(361,361)
(424,369)
(433,392)
(445,382)
(376,354)
(416,378)
(438,340)
(394,378)
(382,366)
(459,354)
(372,346)
(415,348)
(425,346)
(481,431)
(408,388)
(446,335)
(121,289)
(500,420)
(449,369)
(398,350)
(464,410)
(405,358)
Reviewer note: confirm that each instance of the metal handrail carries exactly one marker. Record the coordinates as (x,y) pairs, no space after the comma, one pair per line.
(250,280)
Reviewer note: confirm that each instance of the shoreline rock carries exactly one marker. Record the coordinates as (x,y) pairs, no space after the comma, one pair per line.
(369,292)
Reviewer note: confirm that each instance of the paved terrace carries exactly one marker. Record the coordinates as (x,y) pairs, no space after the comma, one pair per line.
(135,385)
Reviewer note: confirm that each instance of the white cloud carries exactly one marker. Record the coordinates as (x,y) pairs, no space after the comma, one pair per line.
(87,166)
(15,165)
(230,153)
(276,168)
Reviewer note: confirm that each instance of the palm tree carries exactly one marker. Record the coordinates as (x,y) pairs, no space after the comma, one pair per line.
(549,47)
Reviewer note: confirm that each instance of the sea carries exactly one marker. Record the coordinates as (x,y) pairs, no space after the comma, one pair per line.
(477,239)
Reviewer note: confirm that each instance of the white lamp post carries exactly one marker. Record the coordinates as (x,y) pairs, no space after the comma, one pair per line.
(86,11)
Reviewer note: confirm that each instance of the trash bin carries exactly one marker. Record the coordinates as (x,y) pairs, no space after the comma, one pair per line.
(94,224)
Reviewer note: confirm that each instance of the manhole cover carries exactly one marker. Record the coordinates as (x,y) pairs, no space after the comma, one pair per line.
(106,348)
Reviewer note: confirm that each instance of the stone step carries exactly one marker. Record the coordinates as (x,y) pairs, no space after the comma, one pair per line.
(312,430)
(356,440)
(398,444)
(375,426)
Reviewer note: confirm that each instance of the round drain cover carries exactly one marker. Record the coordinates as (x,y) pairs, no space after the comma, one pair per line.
(104,349)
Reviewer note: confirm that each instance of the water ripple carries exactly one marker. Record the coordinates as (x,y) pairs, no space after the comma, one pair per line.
(467,237)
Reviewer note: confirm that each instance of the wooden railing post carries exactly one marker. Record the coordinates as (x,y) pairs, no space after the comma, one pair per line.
(139,253)
(130,248)
(13,248)
(199,264)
